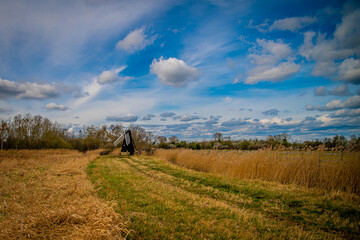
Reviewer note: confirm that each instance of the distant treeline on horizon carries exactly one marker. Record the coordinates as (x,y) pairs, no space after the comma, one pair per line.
(37,132)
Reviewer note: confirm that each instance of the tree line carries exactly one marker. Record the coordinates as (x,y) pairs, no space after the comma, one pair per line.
(37,132)
(276,142)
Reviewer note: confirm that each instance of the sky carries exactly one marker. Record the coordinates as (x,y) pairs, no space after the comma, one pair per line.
(247,69)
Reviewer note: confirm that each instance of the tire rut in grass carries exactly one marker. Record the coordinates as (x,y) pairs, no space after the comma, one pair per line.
(288,211)
(164,204)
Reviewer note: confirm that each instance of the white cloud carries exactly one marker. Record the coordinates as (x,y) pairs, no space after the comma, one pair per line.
(174,72)
(167,114)
(274,74)
(327,69)
(352,102)
(54,106)
(341,90)
(276,49)
(348,32)
(111,76)
(271,112)
(321,91)
(292,24)
(136,41)
(347,113)
(148,117)
(27,90)
(269,62)
(324,50)
(89,92)
(123,118)
(186,118)
(38,91)
(94,87)
(63,29)
(350,70)
(260,27)
(344,43)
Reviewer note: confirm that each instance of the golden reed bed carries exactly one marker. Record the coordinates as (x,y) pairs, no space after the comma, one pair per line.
(274,166)
(45,194)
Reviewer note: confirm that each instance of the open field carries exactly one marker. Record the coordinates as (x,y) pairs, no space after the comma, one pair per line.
(165,201)
(45,194)
(327,171)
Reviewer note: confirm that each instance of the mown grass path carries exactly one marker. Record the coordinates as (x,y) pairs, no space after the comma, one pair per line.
(164,201)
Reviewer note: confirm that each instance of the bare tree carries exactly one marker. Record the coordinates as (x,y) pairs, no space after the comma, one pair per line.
(218,136)
(173,139)
(4,131)
(160,139)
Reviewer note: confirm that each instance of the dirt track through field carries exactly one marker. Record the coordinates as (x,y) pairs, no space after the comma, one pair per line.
(162,200)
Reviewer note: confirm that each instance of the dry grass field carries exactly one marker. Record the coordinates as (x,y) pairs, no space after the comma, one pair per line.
(316,170)
(45,194)
(161,200)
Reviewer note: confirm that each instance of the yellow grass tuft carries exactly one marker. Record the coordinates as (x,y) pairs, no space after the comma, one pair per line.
(301,169)
(46,194)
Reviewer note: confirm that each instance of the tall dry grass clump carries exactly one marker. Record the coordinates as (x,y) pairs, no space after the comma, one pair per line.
(45,194)
(301,169)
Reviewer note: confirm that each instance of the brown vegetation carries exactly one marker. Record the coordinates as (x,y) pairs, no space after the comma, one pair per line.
(46,194)
(299,168)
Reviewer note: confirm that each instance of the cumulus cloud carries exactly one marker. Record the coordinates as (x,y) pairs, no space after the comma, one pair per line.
(270,51)
(54,106)
(212,121)
(186,118)
(111,76)
(234,123)
(167,114)
(148,117)
(123,118)
(341,90)
(349,70)
(325,69)
(321,91)
(136,40)
(348,32)
(174,72)
(273,62)
(277,73)
(346,113)
(335,55)
(271,112)
(352,102)
(27,90)
(292,24)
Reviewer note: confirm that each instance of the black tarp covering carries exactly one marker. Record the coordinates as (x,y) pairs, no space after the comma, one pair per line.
(128,143)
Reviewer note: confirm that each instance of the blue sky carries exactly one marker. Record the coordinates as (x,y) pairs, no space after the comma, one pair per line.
(187,68)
